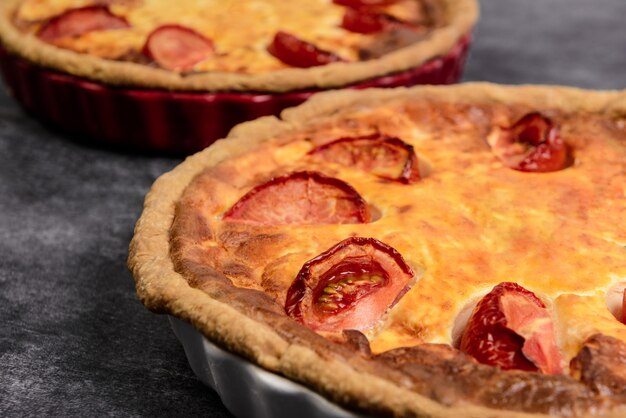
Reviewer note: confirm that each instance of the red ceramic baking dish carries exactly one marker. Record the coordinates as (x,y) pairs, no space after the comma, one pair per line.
(174,122)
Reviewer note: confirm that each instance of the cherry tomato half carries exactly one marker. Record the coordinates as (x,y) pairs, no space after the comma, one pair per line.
(350,286)
(75,22)
(384,156)
(532,144)
(177,48)
(304,197)
(511,328)
(298,53)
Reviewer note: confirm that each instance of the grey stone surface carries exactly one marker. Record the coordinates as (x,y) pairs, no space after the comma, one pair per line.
(573,42)
(74,340)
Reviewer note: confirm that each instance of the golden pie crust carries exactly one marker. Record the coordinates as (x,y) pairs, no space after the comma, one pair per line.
(188,263)
(455,19)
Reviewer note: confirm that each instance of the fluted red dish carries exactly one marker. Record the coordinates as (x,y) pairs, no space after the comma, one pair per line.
(175,123)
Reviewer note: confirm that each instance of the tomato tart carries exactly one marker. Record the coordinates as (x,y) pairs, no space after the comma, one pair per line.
(433,251)
(162,75)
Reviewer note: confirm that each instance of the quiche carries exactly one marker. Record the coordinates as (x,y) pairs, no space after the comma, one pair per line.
(256,45)
(433,251)
(173,76)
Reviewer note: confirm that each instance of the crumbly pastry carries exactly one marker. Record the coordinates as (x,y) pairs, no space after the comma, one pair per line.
(453,251)
(233,45)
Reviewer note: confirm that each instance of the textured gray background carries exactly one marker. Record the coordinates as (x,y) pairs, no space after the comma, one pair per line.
(74,340)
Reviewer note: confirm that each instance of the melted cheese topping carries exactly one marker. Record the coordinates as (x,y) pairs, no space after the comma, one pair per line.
(468,225)
(240,30)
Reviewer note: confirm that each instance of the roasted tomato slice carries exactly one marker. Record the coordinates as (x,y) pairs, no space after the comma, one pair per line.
(511,328)
(357,4)
(304,197)
(532,144)
(177,48)
(298,53)
(384,156)
(368,21)
(78,21)
(350,286)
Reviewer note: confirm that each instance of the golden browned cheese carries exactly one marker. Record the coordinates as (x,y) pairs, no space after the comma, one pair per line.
(468,225)
(240,30)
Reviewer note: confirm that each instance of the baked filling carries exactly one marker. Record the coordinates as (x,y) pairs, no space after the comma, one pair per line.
(248,37)
(469,252)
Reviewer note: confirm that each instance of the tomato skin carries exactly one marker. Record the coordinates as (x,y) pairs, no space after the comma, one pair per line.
(487,337)
(367,21)
(295,52)
(510,328)
(302,197)
(532,144)
(75,22)
(349,286)
(398,163)
(177,48)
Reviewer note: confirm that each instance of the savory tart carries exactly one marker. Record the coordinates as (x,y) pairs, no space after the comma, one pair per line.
(434,251)
(259,45)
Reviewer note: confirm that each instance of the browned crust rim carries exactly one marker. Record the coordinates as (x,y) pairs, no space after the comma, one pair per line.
(163,290)
(460,16)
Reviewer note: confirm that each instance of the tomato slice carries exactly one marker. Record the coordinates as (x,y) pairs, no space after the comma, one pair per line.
(350,286)
(304,197)
(387,157)
(75,22)
(511,328)
(357,4)
(298,53)
(532,144)
(368,21)
(177,48)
